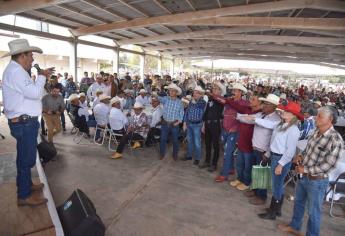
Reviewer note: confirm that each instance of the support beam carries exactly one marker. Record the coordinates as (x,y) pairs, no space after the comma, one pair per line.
(191,35)
(202,14)
(159,66)
(17,6)
(116,61)
(273,22)
(190,5)
(73,59)
(142,66)
(278,39)
(95,4)
(133,8)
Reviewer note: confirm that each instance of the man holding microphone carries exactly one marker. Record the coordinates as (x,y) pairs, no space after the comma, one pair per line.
(22,106)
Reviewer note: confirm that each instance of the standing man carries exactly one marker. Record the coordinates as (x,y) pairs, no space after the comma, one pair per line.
(53,105)
(22,106)
(98,85)
(315,162)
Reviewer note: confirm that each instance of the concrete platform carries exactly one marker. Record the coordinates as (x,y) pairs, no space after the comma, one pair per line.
(140,195)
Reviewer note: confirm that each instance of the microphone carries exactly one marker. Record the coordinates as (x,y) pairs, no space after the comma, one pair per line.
(37,67)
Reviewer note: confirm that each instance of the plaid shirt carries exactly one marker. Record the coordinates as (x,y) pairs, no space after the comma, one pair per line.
(172,109)
(322,153)
(195,111)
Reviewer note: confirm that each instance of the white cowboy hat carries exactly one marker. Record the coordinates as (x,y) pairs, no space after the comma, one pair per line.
(73,97)
(103,97)
(82,95)
(221,87)
(271,98)
(199,89)
(18,46)
(239,87)
(114,100)
(318,103)
(138,105)
(175,87)
(142,91)
(283,96)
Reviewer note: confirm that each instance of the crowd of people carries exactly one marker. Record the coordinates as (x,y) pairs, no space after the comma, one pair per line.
(255,123)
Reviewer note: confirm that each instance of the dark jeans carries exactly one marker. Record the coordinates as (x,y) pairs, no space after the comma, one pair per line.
(63,121)
(165,130)
(230,140)
(26,135)
(126,138)
(244,164)
(261,193)
(212,136)
(151,136)
(43,127)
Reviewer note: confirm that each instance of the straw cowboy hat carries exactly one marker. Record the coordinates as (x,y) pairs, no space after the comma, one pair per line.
(271,98)
(142,91)
(138,105)
(18,46)
(318,103)
(73,97)
(239,87)
(82,95)
(114,100)
(199,89)
(103,97)
(175,87)
(293,108)
(221,87)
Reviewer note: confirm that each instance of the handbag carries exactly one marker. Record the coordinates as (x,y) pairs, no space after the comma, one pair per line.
(46,151)
(261,177)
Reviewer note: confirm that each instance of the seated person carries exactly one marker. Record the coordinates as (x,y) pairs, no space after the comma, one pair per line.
(143,98)
(117,120)
(78,118)
(96,100)
(101,113)
(155,128)
(137,130)
(82,99)
(128,101)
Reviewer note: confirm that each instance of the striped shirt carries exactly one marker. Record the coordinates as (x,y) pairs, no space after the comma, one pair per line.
(172,109)
(307,127)
(322,153)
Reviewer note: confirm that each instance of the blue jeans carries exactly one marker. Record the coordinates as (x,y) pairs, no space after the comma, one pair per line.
(310,192)
(278,180)
(261,193)
(244,163)
(26,135)
(165,130)
(194,140)
(230,140)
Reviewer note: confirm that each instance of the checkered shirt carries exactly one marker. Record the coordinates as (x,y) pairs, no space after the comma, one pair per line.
(172,109)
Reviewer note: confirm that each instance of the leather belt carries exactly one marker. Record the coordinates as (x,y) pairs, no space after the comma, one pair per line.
(194,122)
(314,177)
(276,154)
(23,118)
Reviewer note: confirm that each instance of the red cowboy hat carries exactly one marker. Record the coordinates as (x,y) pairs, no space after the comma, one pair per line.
(293,108)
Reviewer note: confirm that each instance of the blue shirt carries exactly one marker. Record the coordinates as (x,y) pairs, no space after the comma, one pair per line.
(195,111)
(172,109)
(307,126)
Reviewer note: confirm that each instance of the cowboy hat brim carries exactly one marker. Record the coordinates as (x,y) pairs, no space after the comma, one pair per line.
(22,50)
(270,101)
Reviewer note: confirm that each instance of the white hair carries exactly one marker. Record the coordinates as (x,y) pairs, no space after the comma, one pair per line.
(330,112)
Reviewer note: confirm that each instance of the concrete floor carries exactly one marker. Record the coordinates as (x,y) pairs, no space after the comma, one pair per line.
(140,195)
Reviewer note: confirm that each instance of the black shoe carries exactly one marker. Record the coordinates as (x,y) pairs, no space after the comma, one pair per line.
(196,162)
(212,169)
(186,159)
(64,129)
(271,214)
(204,165)
(279,208)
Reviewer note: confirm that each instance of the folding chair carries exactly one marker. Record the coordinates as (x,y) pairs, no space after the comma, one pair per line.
(113,137)
(338,186)
(292,176)
(104,130)
(74,130)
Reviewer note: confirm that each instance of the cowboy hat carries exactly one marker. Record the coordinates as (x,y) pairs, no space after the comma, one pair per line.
(175,87)
(293,108)
(318,103)
(73,97)
(199,89)
(82,95)
(114,100)
(18,46)
(221,87)
(103,97)
(283,96)
(142,91)
(138,105)
(271,98)
(239,87)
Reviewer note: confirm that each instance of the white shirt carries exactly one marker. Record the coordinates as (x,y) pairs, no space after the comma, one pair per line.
(91,92)
(145,101)
(84,104)
(107,90)
(21,95)
(84,111)
(95,102)
(282,142)
(101,112)
(157,114)
(117,119)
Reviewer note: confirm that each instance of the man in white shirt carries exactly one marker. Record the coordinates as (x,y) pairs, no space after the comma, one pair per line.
(22,106)
(82,100)
(143,98)
(101,112)
(117,120)
(155,128)
(98,85)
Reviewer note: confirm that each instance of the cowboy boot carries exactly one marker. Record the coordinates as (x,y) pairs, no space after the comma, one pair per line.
(279,208)
(271,214)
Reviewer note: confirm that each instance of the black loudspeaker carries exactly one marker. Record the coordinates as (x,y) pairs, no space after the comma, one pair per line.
(46,151)
(78,216)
